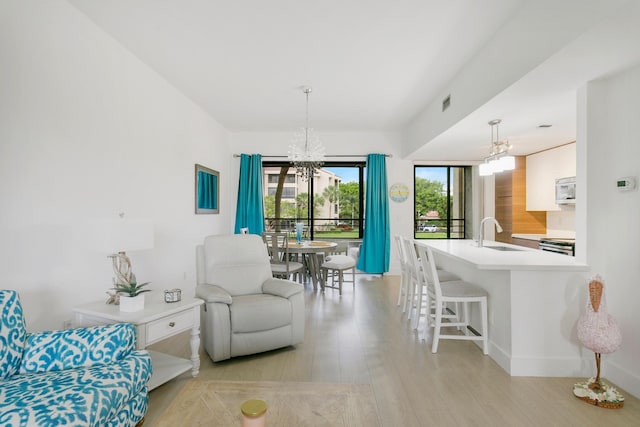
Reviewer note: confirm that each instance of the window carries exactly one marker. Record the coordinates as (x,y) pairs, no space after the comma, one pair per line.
(336,195)
(440,194)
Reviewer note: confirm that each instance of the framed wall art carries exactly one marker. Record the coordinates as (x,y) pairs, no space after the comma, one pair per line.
(207,190)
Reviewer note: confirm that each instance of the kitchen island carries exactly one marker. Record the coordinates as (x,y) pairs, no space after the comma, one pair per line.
(535,300)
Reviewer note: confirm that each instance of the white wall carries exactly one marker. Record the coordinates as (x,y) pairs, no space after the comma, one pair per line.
(543,26)
(609,130)
(88,131)
(348,143)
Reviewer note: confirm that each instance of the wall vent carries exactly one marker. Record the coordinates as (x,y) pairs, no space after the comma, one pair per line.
(446,102)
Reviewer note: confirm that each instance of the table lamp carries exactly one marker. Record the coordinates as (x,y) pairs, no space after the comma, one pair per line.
(126,235)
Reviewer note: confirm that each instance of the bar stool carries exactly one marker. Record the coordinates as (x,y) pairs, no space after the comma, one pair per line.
(452,292)
(416,295)
(404,274)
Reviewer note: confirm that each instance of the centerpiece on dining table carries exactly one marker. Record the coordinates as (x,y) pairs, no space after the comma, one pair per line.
(299,228)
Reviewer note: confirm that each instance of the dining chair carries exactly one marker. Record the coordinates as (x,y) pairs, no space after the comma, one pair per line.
(335,263)
(281,264)
(457,291)
(353,249)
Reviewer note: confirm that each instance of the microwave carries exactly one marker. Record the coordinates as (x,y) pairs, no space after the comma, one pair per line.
(566,191)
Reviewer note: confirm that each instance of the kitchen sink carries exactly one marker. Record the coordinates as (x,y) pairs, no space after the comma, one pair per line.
(503,248)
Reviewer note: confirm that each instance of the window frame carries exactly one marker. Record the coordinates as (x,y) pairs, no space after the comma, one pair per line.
(310,220)
(466,174)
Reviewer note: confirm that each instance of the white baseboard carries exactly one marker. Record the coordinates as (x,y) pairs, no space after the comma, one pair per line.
(548,367)
(499,356)
(535,367)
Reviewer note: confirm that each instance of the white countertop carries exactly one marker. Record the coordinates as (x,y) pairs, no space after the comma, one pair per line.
(486,258)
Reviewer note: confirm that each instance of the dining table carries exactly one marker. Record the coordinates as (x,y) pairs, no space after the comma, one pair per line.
(312,252)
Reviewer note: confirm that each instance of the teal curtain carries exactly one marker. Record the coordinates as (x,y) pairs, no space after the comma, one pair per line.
(249,211)
(375,249)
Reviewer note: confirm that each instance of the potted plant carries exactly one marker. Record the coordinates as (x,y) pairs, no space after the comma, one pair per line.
(131,295)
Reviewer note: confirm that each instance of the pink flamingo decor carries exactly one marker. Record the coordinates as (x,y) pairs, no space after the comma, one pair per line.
(599,332)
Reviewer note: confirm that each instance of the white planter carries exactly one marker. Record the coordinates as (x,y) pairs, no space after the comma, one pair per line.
(130,304)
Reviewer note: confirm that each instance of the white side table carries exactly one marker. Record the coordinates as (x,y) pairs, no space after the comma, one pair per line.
(158,321)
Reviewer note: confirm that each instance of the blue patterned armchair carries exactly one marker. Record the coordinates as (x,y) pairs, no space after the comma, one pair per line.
(76,377)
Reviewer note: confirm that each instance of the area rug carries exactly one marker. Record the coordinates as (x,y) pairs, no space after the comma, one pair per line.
(217,403)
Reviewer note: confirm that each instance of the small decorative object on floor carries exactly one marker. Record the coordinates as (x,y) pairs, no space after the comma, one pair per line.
(604,396)
(254,413)
(172,295)
(599,332)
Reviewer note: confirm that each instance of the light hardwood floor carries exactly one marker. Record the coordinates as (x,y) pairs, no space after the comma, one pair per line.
(363,338)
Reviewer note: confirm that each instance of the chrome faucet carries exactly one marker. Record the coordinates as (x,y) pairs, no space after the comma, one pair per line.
(481,235)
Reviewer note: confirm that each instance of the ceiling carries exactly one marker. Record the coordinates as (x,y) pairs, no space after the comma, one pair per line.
(373,65)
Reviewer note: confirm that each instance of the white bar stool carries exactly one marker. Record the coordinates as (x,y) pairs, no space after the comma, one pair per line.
(452,292)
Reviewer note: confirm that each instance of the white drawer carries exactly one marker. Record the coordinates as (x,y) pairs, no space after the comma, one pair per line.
(168,326)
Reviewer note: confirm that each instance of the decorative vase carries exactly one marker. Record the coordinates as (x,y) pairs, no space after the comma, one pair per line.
(254,413)
(130,304)
(299,226)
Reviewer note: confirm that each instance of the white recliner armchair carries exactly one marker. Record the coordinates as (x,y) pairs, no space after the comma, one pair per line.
(246,310)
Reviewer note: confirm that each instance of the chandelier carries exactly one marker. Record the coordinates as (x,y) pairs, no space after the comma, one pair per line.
(306,151)
(499,159)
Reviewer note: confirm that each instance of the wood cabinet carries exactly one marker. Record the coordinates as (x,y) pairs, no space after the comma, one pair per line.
(543,169)
(510,205)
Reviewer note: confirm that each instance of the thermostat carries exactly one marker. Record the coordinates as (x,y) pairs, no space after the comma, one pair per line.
(626,183)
